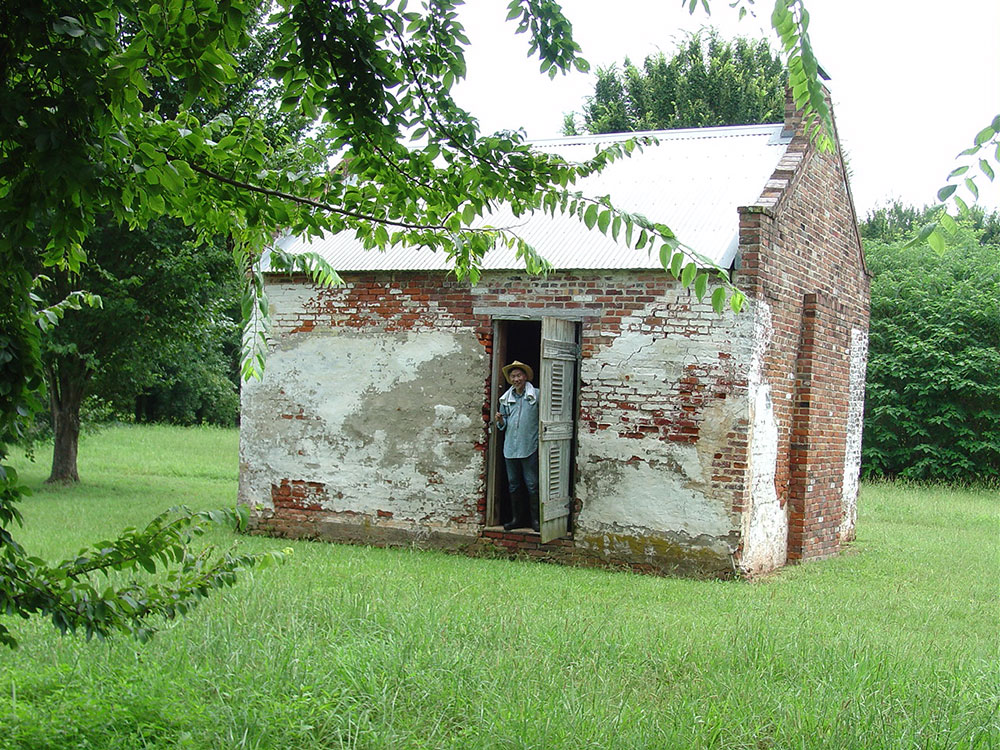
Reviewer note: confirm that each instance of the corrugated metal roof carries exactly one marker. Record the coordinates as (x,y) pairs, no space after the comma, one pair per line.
(693,180)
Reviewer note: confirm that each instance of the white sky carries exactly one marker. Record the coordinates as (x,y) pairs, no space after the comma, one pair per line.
(912,81)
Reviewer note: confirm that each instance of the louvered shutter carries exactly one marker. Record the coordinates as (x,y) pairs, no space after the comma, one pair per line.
(558,379)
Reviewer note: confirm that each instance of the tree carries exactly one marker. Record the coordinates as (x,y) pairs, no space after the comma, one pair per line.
(161,293)
(708,81)
(932,408)
(81,137)
(160,287)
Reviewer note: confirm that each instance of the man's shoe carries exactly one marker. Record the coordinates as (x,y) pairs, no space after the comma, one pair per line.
(514,523)
(534,525)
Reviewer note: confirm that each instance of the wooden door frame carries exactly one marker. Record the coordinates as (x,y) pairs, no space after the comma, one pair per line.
(500,317)
(499,351)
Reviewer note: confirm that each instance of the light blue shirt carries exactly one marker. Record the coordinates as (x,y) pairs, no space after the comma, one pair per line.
(520,421)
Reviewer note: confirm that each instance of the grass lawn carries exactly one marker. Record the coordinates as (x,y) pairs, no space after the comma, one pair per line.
(893,645)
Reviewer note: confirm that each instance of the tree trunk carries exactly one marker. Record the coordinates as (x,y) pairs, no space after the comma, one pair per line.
(66,382)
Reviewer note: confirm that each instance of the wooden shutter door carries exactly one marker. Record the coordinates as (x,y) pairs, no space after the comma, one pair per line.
(558,382)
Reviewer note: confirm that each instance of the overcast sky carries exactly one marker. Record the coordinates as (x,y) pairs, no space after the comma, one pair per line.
(912,81)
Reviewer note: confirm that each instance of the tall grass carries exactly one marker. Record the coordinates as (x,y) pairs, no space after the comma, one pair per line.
(893,645)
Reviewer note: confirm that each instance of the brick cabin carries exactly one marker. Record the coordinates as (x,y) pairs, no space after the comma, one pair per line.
(674,439)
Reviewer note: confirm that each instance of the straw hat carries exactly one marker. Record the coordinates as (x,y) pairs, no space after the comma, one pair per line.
(518,365)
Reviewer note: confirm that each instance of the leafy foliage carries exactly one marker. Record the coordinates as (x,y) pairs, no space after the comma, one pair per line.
(892,222)
(165,329)
(69,592)
(983,156)
(708,81)
(933,390)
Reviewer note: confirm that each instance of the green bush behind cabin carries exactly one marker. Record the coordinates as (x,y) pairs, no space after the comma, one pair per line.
(892,645)
(932,409)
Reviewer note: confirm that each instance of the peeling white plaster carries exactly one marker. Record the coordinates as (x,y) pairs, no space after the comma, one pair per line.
(636,487)
(651,493)
(855,424)
(765,522)
(385,421)
(389,421)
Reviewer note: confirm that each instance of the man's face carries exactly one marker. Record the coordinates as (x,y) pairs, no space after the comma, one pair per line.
(518,379)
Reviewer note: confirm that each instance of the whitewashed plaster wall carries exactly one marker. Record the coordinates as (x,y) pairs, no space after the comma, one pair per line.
(389,421)
(855,425)
(383,420)
(765,522)
(638,492)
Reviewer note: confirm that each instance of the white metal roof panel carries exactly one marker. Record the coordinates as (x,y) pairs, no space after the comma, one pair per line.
(693,180)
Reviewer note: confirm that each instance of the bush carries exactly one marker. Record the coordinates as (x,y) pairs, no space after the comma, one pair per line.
(933,392)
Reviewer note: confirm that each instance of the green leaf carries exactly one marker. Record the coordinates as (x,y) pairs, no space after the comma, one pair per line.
(971,187)
(958,171)
(718,299)
(155,201)
(701,285)
(69,26)
(675,264)
(170,179)
(590,216)
(926,230)
(603,220)
(936,241)
(986,169)
(736,301)
(984,135)
(945,192)
(688,274)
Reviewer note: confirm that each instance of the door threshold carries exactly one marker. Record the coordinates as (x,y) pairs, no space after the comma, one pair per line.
(519,530)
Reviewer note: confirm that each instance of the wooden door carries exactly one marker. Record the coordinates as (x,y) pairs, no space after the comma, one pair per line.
(559,356)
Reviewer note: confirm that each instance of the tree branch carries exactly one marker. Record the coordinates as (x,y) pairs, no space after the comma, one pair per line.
(312,201)
(422,93)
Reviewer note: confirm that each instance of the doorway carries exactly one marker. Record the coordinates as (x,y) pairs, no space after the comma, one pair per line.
(512,339)
(550,346)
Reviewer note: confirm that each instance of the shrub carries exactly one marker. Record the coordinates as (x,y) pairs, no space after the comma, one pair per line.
(933,390)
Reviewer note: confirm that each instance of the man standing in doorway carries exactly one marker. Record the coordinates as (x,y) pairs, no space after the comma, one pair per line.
(518,418)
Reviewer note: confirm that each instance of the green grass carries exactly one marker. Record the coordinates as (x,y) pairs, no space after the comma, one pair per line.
(894,645)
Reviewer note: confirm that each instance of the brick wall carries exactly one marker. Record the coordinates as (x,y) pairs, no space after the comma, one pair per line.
(649,402)
(802,256)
